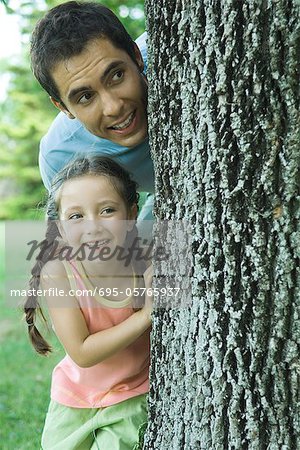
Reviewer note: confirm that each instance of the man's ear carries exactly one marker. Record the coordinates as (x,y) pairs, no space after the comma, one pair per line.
(138,57)
(61,107)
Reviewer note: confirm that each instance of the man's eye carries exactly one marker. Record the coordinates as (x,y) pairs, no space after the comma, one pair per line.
(85,98)
(118,75)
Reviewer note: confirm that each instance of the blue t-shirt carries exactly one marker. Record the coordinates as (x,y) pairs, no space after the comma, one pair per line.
(67,138)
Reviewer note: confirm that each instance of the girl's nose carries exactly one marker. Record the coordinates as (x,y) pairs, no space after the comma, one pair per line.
(93,226)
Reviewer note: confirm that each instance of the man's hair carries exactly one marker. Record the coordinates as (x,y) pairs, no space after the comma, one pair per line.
(65,31)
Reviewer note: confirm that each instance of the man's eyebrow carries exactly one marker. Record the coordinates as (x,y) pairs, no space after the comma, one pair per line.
(110,67)
(113,65)
(72,94)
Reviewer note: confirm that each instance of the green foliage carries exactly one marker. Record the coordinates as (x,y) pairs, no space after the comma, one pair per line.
(131,13)
(24,385)
(25,377)
(27,113)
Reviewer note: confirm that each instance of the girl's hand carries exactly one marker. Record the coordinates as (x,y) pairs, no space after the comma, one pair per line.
(148,306)
(84,348)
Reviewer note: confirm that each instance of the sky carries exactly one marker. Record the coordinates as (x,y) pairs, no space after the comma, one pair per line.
(9,33)
(10,43)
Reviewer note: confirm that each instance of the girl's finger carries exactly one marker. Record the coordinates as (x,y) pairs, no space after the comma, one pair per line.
(148,273)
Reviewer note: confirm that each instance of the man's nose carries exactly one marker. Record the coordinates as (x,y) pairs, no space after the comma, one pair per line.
(112,104)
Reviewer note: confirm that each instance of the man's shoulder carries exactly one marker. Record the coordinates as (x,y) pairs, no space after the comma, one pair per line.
(66,135)
(63,128)
(141,42)
(64,139)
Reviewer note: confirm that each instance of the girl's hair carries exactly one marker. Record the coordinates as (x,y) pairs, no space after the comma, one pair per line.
(87,165)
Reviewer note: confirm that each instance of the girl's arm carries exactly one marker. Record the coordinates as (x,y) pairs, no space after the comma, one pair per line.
(84,348)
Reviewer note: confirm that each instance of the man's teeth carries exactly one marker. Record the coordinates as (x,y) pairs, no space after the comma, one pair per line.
(124,124)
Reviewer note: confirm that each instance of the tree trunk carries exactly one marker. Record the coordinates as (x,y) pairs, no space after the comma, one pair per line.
(225,136)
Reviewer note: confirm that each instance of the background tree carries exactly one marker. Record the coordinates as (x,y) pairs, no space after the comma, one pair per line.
(224,129)
(27,113)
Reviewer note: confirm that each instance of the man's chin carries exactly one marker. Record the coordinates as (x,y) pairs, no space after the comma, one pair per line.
(131,142)
(126,141)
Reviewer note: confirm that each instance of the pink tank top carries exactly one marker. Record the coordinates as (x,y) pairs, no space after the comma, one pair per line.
(118,378)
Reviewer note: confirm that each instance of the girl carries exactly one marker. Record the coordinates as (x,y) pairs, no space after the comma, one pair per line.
(98,393)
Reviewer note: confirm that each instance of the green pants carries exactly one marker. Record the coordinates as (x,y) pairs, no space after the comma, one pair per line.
(116,427)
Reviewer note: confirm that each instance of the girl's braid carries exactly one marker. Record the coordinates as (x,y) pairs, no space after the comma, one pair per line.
(32,302)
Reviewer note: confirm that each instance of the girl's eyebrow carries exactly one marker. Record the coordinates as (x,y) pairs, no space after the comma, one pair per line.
(102,202)
(71,208)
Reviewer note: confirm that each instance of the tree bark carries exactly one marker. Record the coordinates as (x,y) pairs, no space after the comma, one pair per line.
(224,123)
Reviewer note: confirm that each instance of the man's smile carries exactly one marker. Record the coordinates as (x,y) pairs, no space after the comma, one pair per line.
(126,127)
(124,123)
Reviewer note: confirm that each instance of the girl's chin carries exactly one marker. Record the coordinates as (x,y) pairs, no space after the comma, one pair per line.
(108,252)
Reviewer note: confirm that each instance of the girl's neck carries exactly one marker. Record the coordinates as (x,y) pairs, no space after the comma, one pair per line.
(107,269)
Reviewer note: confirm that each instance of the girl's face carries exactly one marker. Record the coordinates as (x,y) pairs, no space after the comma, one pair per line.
(93,215)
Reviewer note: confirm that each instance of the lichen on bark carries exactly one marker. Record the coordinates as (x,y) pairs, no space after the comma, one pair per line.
(224,128)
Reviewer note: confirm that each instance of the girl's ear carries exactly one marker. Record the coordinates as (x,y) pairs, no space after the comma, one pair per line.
(61,230)
(133,212)
(132,215)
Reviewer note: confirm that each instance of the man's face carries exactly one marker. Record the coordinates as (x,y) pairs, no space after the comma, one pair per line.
(105,90)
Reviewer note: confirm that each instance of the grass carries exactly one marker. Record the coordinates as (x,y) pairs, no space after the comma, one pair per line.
(25,378)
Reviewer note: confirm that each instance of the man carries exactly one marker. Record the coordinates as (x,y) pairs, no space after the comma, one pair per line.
(94,74)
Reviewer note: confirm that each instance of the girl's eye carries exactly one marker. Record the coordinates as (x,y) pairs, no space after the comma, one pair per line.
(118,76)
(85,98)
(108,210)
(75,216)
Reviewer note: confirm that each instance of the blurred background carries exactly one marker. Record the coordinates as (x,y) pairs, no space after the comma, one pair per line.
(25,109)
(26,114)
